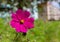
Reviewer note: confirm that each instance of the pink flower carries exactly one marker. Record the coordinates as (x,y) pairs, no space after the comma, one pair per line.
(21,21)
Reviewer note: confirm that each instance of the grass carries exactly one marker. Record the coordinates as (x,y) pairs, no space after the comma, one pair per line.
(42,32)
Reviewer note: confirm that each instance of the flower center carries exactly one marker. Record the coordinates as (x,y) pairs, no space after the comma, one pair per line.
(21,21)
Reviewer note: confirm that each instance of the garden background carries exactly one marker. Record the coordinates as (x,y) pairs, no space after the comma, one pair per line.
(44,31)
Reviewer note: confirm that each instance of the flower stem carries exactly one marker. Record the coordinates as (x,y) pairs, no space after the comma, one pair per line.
(17,38)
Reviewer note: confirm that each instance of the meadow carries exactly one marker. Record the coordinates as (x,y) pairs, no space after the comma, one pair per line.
(42,32)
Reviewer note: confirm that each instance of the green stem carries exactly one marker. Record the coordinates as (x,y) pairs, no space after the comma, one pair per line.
(17,38)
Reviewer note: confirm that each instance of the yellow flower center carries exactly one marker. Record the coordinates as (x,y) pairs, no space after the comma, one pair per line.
(21,21)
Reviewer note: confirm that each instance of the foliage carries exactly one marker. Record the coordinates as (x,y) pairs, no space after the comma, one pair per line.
(43,32)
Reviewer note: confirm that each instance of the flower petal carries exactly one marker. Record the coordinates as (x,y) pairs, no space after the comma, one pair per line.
(30,20)
(14,17)
(22,13)
(28,25)
(19,11)
(14,24)
(21,29)
(26,14)
(18,27)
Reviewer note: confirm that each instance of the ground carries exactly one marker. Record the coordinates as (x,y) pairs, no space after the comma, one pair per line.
(42,32)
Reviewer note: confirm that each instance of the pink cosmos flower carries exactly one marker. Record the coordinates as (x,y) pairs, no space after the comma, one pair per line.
(21,21)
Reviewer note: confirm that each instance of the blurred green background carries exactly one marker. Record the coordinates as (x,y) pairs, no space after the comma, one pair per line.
(48,31)
(42,32)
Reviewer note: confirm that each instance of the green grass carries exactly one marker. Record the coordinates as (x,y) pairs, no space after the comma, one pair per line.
(42,32)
